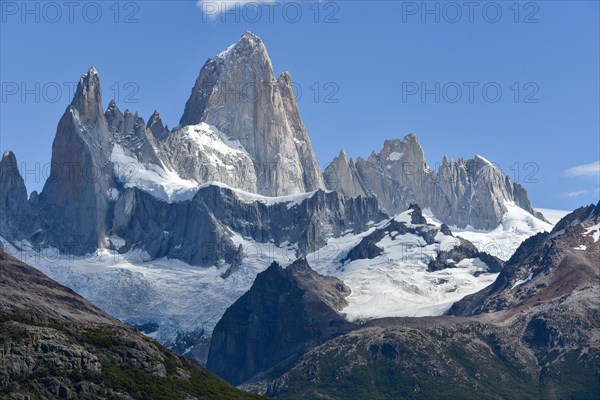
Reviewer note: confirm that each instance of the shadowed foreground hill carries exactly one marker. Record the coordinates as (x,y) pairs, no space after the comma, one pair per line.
(55,344)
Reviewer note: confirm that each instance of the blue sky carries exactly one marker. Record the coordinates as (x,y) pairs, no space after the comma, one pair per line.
(362,66)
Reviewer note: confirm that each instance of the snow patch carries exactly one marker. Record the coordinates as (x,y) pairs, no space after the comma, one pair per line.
(405,217)
(132,287)
(159,182)
(113,194)
(594,231)
(249,198)
(522,281)
(397,282)
(395,156)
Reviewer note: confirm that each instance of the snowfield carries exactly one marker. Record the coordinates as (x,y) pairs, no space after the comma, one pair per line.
(397,283)
(516,226)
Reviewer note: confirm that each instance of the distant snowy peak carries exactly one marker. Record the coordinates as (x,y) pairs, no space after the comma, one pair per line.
(461,193)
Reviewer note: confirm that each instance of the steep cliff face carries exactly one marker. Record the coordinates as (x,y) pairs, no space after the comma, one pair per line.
(342,176)
(76,196)
(199,231)
(17,216)
(237,92)
(155,125)
(55,344)
(461,193)
(285,313)
(473,192)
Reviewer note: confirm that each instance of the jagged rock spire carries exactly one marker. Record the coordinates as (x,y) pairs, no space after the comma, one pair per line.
(88,97)
(155,124)
(237,92)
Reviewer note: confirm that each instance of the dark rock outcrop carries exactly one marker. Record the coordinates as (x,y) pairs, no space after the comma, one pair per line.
(18,219)
(450,257)
(284,314)
(198,231)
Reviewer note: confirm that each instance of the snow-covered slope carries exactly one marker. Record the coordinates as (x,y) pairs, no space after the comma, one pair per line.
(397,282)
(516,226)
(174,297)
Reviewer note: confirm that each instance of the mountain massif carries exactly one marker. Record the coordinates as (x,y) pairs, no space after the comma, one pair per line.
(241,127)
(185,234)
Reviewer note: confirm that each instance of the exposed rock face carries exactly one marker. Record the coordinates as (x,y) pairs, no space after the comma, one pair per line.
(17,218)
(341,175)
(198,231)
(237,93)
(130,132)
(155,125)
(448,258)
(55,344)
(285,313)
(473,192)
(75,197)
(464,192)
(202,153)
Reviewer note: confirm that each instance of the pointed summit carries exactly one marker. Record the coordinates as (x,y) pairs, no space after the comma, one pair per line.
(155,124)
(237,92)
(239,74)
(8,158)
(17,218)
(9,174)
(88,98)
(341,176)
(248,43)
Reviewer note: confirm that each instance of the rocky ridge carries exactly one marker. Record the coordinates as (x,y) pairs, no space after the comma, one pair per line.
(461,193)
(55,344)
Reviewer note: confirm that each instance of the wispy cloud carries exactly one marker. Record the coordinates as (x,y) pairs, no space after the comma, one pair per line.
(213,8)
(584,171)
(581,193)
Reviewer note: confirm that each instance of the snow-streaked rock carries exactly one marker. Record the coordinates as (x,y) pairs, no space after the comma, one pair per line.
(237,92)
(461,193)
